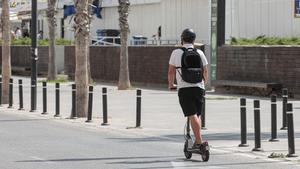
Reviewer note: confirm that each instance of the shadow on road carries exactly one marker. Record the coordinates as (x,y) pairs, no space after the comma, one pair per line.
(210,137)
(94,159)
(21,120)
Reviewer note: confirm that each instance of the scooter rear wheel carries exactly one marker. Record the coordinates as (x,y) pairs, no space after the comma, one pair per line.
(188,155)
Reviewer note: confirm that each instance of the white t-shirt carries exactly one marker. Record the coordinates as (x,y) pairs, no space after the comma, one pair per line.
(18,34)
(175,60)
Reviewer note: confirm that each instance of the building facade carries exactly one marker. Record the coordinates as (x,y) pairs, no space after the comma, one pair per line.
(244,18)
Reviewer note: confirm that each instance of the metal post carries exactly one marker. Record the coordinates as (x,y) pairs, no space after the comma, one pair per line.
(284,103)
(10,101)
(221,22)
(104,105)
(21,94)
(73,113)
(57,96)
(273,119)
(44,98)
(138,108)
(34,54)
(0,91)
(203,114)
(291,134)
(243,123)
(257,126)
(90,105)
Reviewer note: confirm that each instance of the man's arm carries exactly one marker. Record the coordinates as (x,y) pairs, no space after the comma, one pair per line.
(205,74)
(171,76)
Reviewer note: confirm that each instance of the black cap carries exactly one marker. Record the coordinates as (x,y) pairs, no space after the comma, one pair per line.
(188,35)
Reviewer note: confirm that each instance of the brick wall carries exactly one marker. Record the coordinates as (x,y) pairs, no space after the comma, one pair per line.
(21,57)
(147,64)
(261,64)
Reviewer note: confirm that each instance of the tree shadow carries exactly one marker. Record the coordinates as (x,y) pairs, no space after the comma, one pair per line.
(94,159)
(21,120)
(210,137)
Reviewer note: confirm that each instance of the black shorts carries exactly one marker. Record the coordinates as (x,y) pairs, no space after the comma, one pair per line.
(191,100)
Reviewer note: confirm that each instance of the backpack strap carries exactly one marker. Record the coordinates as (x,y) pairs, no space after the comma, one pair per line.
(182,56)
(184,50)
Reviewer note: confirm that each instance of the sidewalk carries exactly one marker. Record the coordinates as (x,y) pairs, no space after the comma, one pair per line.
(162,117)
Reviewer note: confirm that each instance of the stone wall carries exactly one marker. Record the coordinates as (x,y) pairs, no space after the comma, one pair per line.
(279,64)
(21,58)
(147,64)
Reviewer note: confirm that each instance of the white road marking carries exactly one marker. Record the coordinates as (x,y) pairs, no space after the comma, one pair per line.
(254,156)
(178,164)
(42,160)
(182,165)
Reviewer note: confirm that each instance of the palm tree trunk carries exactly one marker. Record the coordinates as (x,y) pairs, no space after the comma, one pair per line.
(52,25)
(6,58)
(124,82)
(81,48)
(89,58)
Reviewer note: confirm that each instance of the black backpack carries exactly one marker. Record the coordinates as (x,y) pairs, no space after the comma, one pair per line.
(191,66)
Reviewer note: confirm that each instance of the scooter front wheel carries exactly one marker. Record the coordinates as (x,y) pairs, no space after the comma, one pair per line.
(205,156)
(188,155)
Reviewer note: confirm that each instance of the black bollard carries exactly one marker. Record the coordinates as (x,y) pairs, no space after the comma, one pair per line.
(73,111)
(284,103)
(203,114)
(273,119)
(138,107)
(257,126)
(0,91)
(291,137)
(44,98)
(243,123)
(21,94)
(90,105)
(104,105)
(10,98)
(33,96)
(57,99)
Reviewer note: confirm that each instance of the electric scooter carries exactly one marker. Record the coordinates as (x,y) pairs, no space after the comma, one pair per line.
(188,151)
(189,142)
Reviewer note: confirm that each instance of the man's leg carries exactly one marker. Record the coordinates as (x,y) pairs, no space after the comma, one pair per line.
(196,126)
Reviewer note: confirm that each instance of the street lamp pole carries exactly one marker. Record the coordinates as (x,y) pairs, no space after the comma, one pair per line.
(218,12)
(34,55)
(221,22)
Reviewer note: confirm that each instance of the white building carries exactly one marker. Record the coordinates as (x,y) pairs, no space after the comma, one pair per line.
(244,18)
(147,15)
(251,18)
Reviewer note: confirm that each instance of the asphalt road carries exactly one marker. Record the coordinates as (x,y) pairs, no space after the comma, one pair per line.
(28,142)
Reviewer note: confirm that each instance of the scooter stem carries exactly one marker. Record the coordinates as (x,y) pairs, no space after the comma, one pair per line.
(188,128)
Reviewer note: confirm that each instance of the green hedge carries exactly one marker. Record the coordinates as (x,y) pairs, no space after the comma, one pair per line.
(27,41)
(263,40)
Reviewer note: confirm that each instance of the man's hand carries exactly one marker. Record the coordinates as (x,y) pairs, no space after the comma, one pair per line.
(172,87)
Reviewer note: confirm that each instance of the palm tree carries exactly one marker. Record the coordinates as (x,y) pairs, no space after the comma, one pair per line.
(124,82)
(81,20)
(90,81)
(52,25)
(6,59)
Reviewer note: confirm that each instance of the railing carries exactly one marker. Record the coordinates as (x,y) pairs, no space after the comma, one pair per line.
(147,42)
(115,41)
(106,40)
